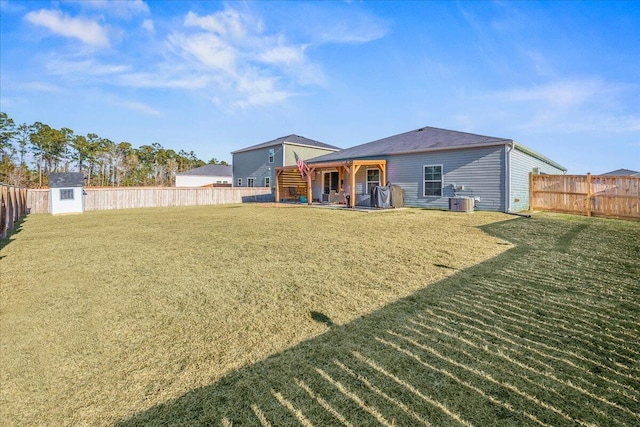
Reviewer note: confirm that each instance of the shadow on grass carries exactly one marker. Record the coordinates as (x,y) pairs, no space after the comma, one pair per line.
(15,230)
(479,347)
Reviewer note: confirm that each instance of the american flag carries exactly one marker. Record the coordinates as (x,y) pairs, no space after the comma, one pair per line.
(300,164)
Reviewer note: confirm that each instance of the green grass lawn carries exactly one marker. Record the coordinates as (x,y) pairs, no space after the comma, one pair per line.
(257,315)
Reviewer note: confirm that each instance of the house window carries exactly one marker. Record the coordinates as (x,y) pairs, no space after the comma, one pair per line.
(267,181)
(433,180)
(272,154)
(250,182)
(373,179)
(239,182)
(66,194)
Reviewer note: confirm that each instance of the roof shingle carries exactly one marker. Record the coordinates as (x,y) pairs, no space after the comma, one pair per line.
(290,139)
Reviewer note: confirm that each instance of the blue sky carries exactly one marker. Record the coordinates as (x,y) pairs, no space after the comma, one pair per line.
(563,78)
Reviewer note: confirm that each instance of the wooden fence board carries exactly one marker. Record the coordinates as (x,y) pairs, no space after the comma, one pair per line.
(590,195)
(13,206)
(108,198)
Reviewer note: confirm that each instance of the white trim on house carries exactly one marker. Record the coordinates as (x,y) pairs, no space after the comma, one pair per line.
(239,182)
(267,181)
(251,181)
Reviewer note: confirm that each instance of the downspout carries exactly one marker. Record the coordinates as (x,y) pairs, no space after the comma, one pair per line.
(507,178)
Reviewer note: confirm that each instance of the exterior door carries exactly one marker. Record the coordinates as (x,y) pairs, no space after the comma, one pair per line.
(330,183)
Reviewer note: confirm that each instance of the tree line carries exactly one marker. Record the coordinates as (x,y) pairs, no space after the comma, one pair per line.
(29,152)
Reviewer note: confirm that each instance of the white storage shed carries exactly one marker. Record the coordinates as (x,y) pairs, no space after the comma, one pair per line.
(66,193)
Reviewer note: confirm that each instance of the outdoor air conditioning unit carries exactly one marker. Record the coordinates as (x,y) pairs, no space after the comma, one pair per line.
(461,204)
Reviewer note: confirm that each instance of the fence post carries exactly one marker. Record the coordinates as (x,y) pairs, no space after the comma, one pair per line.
(588,193)
(531,191)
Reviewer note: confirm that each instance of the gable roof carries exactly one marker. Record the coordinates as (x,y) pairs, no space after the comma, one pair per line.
(290,139)
(423,139)
(209,170)
(66,179)
(622,172)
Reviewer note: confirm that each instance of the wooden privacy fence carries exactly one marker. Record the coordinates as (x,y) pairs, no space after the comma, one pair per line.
(590,195)
(13,206)
(107,198)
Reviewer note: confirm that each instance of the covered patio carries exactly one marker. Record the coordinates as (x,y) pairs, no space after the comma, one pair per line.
(290,184)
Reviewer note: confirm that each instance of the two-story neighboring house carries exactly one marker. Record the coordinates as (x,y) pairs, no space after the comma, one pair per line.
(255,166)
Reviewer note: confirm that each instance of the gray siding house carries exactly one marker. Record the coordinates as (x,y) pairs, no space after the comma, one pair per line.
(255,166)
(433,165)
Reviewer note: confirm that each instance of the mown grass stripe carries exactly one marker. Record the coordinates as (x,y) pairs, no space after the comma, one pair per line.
(381,393)
(622,319)
(533,349)
(550,314)
(484,375)
(292,409)
(453,349)
(260,415)
(527,355)
(517,363)
(353,396)
(379,368)
(513,323)
(460,381)
(540,343)
(323,403)
(529,321)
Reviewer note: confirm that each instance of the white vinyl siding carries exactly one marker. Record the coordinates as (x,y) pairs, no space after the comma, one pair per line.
(433,181)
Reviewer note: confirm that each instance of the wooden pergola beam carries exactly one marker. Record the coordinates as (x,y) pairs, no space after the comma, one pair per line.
(350,166)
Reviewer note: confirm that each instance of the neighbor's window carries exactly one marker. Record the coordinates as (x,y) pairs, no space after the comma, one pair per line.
(267,181)
(66,194)
(373,179)
(433,180)
(239,182)
(250,182)
(272,154)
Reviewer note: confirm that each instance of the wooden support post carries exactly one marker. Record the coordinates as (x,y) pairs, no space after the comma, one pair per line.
(309,192)
(588,193)
(352,187)
(383,174)
(278,173)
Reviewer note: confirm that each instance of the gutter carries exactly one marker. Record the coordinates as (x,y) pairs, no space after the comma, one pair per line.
(424,150)
(507,178)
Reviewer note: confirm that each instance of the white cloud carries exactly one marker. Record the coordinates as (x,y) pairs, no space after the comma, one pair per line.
(205,49)
(88,67)
(560,94)
(282,55)
(87,31)
(120,8)
(229,23)
(140,107)
(588,105)
(42,87)
(245,67)
(147,24)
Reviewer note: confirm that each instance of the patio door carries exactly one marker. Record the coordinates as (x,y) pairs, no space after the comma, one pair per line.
(330,183)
